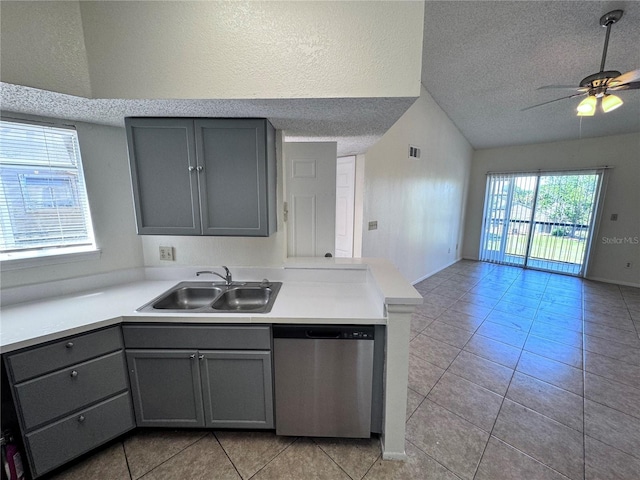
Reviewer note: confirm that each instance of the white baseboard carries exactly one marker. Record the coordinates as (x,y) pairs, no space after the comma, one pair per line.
(398,456)
(439,270)
(615,282)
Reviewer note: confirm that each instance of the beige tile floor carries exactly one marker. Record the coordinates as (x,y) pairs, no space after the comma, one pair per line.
(514,374)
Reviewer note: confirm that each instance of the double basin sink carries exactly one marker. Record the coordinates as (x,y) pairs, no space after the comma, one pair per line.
(216,297)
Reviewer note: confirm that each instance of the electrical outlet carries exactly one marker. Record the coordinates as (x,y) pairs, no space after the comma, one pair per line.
(373,225)
(627,265)
(166,253)
(614,217)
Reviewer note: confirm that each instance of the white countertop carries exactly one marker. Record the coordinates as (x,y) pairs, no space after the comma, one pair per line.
(340,297)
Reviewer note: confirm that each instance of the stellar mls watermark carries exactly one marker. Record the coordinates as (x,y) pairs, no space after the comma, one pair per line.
(620,240)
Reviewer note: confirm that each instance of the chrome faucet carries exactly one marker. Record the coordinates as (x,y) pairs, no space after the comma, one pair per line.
(227,277)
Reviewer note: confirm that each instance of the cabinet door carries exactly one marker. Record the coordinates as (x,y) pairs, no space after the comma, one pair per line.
(237,387)
(233,182)
(164,175)
(165,386)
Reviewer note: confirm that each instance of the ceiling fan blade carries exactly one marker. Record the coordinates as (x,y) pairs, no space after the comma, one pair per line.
(626,86)
(629,77)
(552,101)
(569,87)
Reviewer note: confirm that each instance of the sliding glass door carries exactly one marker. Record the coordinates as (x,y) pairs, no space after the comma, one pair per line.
(540,220)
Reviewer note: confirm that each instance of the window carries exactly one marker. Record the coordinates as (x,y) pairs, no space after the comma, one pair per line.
(541,220)
(44,209)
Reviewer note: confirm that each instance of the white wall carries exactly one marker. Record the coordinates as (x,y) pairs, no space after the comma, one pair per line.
(43,46)
(106,168)
(214,49)
(418,203)
(622,195)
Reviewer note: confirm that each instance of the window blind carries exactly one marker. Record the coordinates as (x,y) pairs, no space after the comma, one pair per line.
(44,208)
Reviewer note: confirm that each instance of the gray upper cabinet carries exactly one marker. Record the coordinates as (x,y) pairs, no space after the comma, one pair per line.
(162,153)
(203,176)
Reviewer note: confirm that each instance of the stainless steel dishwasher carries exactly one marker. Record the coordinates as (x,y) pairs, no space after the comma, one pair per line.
(323,380)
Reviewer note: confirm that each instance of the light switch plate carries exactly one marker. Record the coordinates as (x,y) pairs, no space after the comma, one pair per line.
(373,225)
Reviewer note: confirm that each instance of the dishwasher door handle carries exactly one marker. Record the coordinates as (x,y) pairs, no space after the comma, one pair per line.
(322,334)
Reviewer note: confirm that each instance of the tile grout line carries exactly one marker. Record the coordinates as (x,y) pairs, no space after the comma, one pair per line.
(436,382)
(454,359)
(172,456)
(226,454)
(610,379)
(338,465)
(270,461)
(126,459)
(504,397)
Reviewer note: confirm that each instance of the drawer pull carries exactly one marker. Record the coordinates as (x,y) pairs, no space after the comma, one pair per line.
(69,345)
(192,356)
(81,418)
(74,373)
(200,357)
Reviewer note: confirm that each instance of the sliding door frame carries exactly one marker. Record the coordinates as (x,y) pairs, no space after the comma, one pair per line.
(594,221)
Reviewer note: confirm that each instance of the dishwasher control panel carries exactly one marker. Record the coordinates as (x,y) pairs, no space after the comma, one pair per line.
(356,335)
(324,332)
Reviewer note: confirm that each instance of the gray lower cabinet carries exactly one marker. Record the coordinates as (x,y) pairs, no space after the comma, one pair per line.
(237,389)
(205,176)
(199,375)
(71,396)
(165,386)
(74,435)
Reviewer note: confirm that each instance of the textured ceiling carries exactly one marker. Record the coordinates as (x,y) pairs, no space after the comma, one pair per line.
(484,61)
(355,123)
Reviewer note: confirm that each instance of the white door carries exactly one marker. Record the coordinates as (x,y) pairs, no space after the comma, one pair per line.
(310,186)
(345,197)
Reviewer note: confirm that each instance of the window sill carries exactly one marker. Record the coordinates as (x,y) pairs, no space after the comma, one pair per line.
(45,260)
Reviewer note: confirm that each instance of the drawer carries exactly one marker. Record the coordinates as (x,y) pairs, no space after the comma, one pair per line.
(210,337)
(72,436)
(48,358)
(59,393)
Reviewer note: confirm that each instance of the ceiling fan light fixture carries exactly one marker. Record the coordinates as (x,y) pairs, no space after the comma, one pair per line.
(587,107)
(611,102)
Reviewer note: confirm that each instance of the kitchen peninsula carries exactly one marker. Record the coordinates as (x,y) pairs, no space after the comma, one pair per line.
(314,291)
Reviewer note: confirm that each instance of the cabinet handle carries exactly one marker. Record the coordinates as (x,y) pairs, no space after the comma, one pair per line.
(74,373)
(81,418)
(69,345)
(192,356)
(200,357)
(191,169)
(199,168)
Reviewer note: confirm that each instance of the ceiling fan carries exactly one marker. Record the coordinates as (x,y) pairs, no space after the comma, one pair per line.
(598,85)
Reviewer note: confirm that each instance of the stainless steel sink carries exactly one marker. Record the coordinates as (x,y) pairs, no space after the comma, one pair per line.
(210,297)
(188,298)
(243,299)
